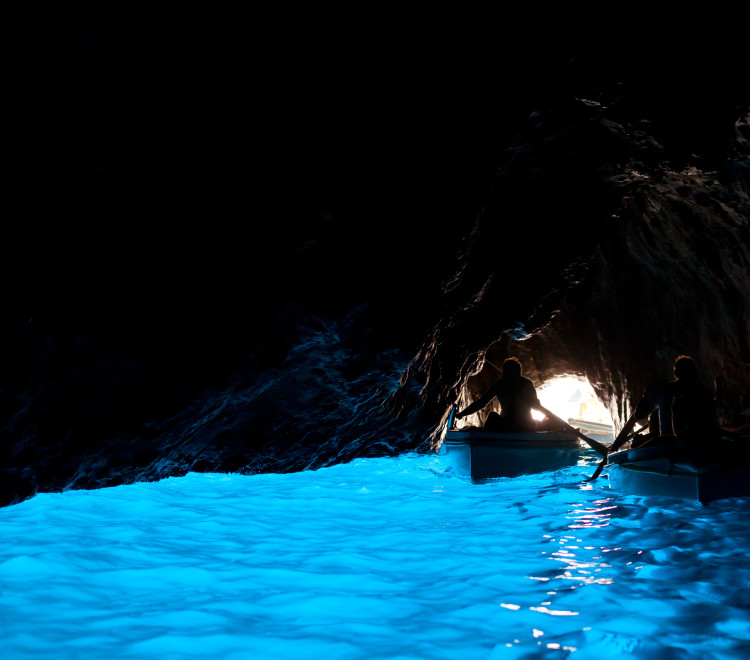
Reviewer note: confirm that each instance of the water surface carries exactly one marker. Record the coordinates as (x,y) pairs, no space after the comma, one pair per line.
(378,558)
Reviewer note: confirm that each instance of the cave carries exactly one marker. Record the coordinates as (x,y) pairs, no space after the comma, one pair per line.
(640,284)
(208,279)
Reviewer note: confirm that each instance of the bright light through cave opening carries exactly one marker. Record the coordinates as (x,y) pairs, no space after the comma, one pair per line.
(572,398)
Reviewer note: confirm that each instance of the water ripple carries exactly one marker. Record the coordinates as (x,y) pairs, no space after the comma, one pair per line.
(378,558)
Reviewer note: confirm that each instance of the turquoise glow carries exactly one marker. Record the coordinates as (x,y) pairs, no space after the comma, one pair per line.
(380,558)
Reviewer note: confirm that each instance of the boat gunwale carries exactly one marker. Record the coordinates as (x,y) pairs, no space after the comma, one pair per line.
(539,440)
(631,458)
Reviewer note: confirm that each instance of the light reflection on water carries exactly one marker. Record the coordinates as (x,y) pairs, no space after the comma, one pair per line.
(379,558)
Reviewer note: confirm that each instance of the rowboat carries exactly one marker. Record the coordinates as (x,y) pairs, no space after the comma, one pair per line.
(599,430)
(481,455)
(662,471)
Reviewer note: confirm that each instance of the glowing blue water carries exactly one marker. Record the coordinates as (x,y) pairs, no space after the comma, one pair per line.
(379,558)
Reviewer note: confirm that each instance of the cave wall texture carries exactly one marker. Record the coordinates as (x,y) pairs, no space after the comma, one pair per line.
(253,243)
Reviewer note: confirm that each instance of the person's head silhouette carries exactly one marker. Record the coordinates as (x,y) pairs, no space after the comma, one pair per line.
(512,368)
(685,369)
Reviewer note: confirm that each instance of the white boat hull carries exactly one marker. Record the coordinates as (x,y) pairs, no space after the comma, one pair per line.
(484,455)
(656,471)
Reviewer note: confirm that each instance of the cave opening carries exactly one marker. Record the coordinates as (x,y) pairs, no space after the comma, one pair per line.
(569,396)
(572,398)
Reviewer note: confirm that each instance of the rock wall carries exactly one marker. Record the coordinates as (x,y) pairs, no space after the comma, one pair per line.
(250,243)
(603,254)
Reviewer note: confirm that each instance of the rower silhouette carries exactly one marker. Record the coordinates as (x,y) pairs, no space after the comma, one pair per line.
(681,410)
(517,397)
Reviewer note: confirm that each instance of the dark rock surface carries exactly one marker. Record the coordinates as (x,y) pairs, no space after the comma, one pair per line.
(255,244)
(660,268)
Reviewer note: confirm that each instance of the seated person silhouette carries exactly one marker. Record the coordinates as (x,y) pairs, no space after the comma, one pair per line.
(517,397)
(682,411)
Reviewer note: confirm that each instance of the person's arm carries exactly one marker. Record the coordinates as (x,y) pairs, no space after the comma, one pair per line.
(480,403)
(535,404)
(622,435)
(642,411)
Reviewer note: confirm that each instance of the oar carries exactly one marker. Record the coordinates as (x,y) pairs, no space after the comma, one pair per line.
(598,470)
(451,418)
(598,447)
(601,465)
